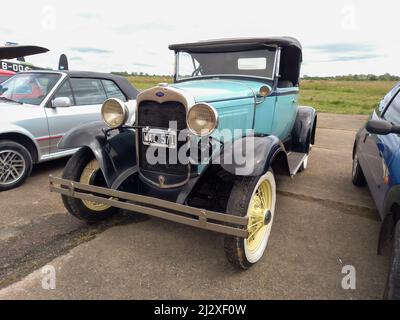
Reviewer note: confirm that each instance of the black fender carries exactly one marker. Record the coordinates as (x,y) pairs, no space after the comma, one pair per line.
(251,156)
(391,216)
(267,151)
(303,133)
(115,153)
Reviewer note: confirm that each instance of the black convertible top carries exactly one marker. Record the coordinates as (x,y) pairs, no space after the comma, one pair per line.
(11,52)
(237,44)
(291,54)
(122,82)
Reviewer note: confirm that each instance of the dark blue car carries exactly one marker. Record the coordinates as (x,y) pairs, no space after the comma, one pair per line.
(376,162)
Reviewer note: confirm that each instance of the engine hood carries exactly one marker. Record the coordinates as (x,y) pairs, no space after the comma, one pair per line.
(11,112)
(212,90)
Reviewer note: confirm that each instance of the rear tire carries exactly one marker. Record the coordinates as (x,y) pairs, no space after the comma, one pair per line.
(245,200)
(15,165)
(392,291)
(76,169)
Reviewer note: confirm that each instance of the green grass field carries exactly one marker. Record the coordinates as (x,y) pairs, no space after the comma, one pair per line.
(346,97)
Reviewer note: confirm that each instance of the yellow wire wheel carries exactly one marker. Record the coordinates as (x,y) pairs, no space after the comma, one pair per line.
(260,204)
(260,212)
(255,198)
(87,177)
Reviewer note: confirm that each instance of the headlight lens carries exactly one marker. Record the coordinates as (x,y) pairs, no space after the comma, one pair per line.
(202,119)
(114,113)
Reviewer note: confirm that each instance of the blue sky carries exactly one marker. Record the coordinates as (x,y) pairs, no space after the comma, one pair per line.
(339,37)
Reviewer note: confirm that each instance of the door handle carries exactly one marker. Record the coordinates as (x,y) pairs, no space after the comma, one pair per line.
(294,101)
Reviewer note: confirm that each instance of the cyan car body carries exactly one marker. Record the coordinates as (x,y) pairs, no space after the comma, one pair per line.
(226,94)
(235,101)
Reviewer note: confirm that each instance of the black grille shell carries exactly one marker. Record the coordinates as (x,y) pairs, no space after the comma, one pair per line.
(158,115)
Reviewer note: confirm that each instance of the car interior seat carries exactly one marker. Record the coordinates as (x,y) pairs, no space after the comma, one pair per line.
(285,84)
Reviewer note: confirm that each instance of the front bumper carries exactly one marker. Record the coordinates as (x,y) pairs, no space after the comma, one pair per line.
(195,217)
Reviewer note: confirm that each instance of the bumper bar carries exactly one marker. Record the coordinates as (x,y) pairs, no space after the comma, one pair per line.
(195,217)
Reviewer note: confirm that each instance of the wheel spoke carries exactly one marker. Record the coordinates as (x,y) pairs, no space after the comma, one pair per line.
(253,234)
(12,173)
(1,177)
(15,170)
(255,224)
(260,194)
(6,157)
(6,178)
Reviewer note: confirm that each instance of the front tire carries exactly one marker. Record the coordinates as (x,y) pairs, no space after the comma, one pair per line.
(358,177)
(392,291)
(84,168)
(15,165)
(254,197)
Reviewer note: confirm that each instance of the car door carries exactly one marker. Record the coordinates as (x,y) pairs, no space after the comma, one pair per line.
(285,111)
(377,151)
(86,96)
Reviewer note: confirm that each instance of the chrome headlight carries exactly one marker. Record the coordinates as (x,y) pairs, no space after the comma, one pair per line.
(202,119)
(114,113)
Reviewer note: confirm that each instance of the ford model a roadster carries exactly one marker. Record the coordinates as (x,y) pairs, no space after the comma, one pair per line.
(204,150)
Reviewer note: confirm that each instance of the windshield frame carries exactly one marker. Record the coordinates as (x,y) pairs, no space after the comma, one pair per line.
(275,71)
(45,99)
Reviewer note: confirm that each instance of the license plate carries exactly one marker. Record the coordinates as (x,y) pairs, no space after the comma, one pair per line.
(159,138)
(16,67)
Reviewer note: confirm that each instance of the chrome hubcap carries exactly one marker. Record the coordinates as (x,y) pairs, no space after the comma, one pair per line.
(12,166)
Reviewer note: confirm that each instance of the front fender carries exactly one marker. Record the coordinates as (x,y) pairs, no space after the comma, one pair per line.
(303,133)
(249,156)
(116,153)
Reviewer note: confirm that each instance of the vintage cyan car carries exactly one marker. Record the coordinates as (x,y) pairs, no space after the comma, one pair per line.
(204,150)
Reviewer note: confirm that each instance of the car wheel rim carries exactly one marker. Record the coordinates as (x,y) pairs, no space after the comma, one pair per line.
(12,166)
(87,177)
(260,209)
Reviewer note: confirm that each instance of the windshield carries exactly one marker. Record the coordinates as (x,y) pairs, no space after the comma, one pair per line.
(30,88)
(254,63)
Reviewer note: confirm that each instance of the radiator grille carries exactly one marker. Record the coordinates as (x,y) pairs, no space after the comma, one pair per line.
(155,115)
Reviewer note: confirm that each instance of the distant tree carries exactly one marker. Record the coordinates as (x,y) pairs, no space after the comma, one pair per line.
(356,77)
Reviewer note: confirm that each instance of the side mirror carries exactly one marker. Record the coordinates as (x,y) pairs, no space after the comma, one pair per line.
(61,102)
(381,127)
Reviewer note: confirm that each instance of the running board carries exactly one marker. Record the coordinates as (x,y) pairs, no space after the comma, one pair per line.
(295,160)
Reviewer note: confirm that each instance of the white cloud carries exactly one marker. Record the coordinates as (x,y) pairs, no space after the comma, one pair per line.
(134,36)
